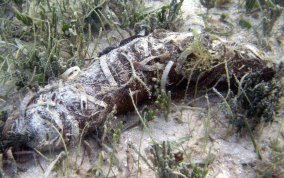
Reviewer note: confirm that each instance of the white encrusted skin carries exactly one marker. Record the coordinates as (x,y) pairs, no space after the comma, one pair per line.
(59,113)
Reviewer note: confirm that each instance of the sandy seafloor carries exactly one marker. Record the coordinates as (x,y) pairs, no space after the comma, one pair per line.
(233,153)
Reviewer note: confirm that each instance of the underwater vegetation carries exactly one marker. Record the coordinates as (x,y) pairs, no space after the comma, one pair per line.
(41,39)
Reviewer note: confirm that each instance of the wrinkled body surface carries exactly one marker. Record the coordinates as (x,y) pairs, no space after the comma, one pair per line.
(60,111)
